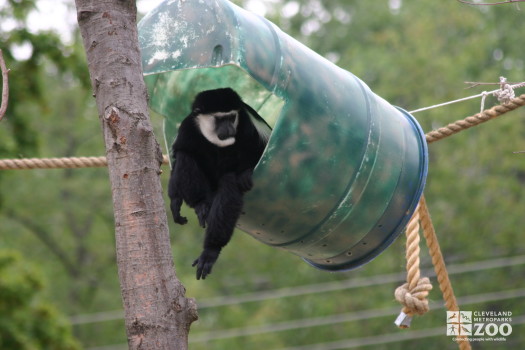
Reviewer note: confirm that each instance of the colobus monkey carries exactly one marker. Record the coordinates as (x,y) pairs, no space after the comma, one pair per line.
(218,145)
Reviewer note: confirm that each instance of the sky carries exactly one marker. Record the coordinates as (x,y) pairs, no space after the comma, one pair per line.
(60,16)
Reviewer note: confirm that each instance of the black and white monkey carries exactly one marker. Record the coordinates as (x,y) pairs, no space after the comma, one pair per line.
(217,147)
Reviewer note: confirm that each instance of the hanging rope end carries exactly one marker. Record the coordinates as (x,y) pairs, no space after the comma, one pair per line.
(403,320)
(414,300)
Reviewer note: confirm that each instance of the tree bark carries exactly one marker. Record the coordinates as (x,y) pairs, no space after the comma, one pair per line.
(158,315)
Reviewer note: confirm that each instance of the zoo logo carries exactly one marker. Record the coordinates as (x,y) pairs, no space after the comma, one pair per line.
(460,323)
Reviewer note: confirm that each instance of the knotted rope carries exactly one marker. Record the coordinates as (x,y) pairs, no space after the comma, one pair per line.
(504,94)
(413,294)
(483,95)
(506,91)
(414,299)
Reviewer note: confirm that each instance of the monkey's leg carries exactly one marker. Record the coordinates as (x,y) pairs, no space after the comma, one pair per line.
(188,183)
(224,213)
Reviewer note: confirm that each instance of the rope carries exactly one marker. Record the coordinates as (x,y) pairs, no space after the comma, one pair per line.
(439,265)
(57,163)
(476,119)
(504,93)
(449,102)
(53,163)
(412,295)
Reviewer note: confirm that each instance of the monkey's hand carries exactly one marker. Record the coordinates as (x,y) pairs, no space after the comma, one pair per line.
(205,262)
(202,209)
(175,205)
(244,180)
(181,220)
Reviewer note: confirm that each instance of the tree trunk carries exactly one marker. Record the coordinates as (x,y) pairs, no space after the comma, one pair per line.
(158,315)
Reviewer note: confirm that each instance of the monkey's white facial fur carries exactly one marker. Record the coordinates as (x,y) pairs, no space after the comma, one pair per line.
(208,125)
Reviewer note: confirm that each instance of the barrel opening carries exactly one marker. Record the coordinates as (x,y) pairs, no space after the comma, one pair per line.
(172,93)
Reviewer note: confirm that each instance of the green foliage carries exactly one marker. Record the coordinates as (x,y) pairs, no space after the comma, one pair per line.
(27,323)
(28,78)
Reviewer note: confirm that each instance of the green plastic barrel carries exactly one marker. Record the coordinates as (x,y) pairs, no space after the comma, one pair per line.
(343,170)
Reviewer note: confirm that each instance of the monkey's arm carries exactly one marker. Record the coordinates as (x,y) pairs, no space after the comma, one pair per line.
(188,183)
(245,181)
(224,213)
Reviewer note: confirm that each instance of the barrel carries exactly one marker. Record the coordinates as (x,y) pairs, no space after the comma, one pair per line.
(343,170)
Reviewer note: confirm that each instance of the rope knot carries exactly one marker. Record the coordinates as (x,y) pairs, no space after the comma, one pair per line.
(414,299)
(506,91)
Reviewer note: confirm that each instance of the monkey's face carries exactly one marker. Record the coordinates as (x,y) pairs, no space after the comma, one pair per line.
(219,128)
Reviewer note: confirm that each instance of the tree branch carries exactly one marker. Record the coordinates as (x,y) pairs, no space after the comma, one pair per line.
(5,86)
(475,83)
(489,3)
(157,313)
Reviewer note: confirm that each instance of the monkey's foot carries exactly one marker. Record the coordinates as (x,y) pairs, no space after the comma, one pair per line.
(205,262)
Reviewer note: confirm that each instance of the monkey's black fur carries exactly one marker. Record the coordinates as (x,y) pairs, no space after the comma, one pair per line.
(212,179)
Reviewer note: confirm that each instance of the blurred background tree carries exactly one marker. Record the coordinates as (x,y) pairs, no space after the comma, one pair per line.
(26,322)
(413,54)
